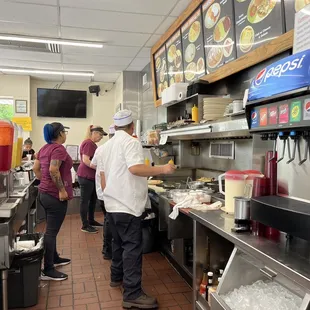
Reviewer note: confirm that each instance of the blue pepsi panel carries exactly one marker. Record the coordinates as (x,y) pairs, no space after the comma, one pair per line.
(282,76)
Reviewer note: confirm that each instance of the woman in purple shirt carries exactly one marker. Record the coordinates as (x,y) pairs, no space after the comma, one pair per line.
(86,176)
(53,168)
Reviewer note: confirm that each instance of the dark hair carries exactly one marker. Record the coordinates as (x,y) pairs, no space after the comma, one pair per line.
(28,141)
(51,131)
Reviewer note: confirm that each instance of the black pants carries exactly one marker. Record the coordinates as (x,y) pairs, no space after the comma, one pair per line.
(107,235)
(88,200)
(127,253)
(55,211)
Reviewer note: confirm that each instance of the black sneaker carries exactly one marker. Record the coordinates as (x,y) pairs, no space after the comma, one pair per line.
(62,261)
(53,275)
(89,229)
(95,224)
(142,302)
(116,284)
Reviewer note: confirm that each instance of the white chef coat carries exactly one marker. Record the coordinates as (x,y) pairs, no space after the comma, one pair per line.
(96,162)
(124,192)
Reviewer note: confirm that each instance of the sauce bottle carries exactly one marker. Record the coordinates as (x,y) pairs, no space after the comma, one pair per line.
(204,283)
(195,114)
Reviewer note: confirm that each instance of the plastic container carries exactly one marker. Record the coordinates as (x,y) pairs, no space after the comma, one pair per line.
(19,151)
(235,186)
(6,145)
(24,275)
(15,139)
(252,174)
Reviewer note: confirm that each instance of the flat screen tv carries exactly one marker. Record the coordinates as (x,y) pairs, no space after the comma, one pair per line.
(61,103)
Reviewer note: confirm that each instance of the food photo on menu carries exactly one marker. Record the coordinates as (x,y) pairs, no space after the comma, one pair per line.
(175,59)
(219,33)
(257,22)
(193,47)
(161,71)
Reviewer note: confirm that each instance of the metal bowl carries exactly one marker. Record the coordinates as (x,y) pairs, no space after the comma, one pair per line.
(196,185)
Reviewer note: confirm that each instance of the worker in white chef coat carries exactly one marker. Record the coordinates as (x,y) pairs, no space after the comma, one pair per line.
(124,180)
(107,236)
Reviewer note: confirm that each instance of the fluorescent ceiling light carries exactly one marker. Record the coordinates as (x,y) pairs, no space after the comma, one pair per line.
(51,41)
(35,71)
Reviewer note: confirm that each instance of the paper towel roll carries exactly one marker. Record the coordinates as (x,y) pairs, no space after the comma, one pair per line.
(181,95)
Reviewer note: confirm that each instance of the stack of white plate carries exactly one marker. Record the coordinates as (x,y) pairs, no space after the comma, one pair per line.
(214,107)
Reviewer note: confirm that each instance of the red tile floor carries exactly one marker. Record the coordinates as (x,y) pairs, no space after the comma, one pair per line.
(89,275)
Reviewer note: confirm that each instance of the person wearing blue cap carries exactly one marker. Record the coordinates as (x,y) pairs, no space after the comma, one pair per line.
(53,168)
(125,192)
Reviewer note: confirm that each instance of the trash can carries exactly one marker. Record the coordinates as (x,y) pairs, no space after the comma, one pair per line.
(24,274)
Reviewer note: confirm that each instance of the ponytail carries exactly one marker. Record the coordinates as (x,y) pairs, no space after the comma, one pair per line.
(88,132)
(48,132)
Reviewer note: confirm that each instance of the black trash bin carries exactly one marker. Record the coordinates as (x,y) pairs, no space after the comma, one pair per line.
(24,275)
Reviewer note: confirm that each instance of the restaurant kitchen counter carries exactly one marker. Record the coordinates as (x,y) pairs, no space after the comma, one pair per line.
(284,255)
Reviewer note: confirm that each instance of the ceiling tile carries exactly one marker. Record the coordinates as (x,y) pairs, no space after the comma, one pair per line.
(94,60)
(81,79)
(28,13)
(145,53)
(27,55)
(28,29)
(109,20)
(109,37)
(42,2)
(180,7)
(154,7)
(106,77)
(114,51)
(135,68)
(153,39)
(165,25)
(30,64)
(95,68)
(140,62)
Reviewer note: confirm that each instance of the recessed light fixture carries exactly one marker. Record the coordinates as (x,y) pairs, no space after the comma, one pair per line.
(35,71)
(50,41)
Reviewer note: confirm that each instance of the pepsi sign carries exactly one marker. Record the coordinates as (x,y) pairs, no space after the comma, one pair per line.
(284,75)
(254,119)
(307,109)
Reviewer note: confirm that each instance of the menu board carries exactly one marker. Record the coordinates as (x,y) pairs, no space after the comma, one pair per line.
(219,33)
(161,71)
(291,113)
(193,49)
(175,59)
(257,22)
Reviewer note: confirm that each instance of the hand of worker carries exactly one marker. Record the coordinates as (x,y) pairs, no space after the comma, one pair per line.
(169,169)
(63,195)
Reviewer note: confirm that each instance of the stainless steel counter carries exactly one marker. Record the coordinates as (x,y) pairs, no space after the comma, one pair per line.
(290,257)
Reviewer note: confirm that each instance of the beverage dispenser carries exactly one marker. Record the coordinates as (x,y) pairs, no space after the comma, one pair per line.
(15,139)
(19,151)
(6,145)
(278,109)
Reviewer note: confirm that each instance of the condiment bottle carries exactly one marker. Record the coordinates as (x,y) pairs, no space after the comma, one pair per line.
(147,162)
(195,114)
(204,282)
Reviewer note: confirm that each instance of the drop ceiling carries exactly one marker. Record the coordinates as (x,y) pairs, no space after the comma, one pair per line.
(129,29)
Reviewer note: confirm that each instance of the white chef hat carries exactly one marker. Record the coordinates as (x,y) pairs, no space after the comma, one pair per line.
(123,118)
(112,129)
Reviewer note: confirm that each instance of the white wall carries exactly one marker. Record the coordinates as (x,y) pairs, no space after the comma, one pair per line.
(17,87)
(100,111)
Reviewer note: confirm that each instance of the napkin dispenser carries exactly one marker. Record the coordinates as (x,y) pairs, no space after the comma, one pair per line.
(174,93)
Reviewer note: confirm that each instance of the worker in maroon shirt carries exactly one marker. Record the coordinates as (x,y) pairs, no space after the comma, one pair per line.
(87,176)
(53,168)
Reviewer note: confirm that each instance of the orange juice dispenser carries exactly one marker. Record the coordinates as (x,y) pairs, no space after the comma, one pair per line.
(6,145)
(19,152)
(15,138)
